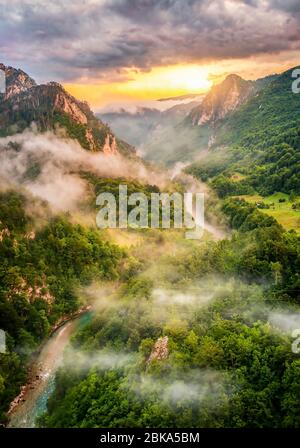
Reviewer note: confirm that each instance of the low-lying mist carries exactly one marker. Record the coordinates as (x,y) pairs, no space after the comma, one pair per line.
(195,387)
(81,361)
(49,164)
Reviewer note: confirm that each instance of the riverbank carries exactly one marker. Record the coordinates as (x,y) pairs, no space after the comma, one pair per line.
(34,394)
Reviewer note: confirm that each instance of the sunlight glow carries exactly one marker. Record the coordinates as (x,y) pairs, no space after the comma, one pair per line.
(132,85)
(171,79)
(160,82)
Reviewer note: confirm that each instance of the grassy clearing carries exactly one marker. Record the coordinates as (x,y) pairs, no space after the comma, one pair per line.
(281,211)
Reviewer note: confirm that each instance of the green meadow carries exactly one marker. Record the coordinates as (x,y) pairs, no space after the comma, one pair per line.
(281,211)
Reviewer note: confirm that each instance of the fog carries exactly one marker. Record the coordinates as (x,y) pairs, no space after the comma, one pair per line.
(163,297)
(48,165)
(194,387)
(161,105)
(284,320)
(82,361)
(161,131)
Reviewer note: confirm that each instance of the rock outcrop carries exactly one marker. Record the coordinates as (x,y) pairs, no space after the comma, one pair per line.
(222,99)
(17,81)
(160,350)
(50,106)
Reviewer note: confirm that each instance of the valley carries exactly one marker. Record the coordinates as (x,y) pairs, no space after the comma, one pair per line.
(32,403)
(182,333)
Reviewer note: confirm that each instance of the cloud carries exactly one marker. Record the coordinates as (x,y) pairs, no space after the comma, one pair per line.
(48,166)
(72,40)
(285,320)
(101,359)
(162,297)
(195,387)
(291,6)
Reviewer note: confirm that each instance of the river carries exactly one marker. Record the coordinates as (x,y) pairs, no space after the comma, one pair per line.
(33,399)
(41,381)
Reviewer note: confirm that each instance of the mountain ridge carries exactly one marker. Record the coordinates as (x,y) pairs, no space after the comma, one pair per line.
(50,106)
(260,141)
(222,99)
(182,132)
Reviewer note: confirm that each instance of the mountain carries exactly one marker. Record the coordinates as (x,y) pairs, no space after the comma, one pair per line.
(180,111)
(50,106)
(17,81)
(261,141)
(133,127)
(183,132)
(222,99)
(270,113)
(192,130)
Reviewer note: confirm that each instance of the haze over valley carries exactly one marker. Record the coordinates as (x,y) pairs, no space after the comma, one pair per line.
(140,326)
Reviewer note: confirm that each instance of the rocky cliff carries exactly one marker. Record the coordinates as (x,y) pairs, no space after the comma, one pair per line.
(17,81)
(50,106)
(221,100)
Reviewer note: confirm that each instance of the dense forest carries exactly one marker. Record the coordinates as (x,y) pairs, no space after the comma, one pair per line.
(220,311)
(227,365)
(195,333)
(260,141)
(40,271)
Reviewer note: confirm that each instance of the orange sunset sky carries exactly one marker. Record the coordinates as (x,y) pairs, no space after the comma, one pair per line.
(126,51)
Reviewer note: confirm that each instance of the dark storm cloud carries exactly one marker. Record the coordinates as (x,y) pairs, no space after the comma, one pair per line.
(103,38)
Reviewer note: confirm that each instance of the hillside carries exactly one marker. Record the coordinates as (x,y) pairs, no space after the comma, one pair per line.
(260,141)
(50,106)
(183,133)
(222,100)
(269,116)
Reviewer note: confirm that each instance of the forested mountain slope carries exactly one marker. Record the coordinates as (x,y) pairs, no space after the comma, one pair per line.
(198,332)
(261,141)
(222,313)
(50,106)
(40,271)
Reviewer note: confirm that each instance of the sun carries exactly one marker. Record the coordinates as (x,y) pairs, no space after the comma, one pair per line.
(159,82)
(169,80)
(189,78)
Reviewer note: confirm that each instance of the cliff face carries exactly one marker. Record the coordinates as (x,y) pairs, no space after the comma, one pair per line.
(222,100)
(160,349)
(17,81)
(50,106)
